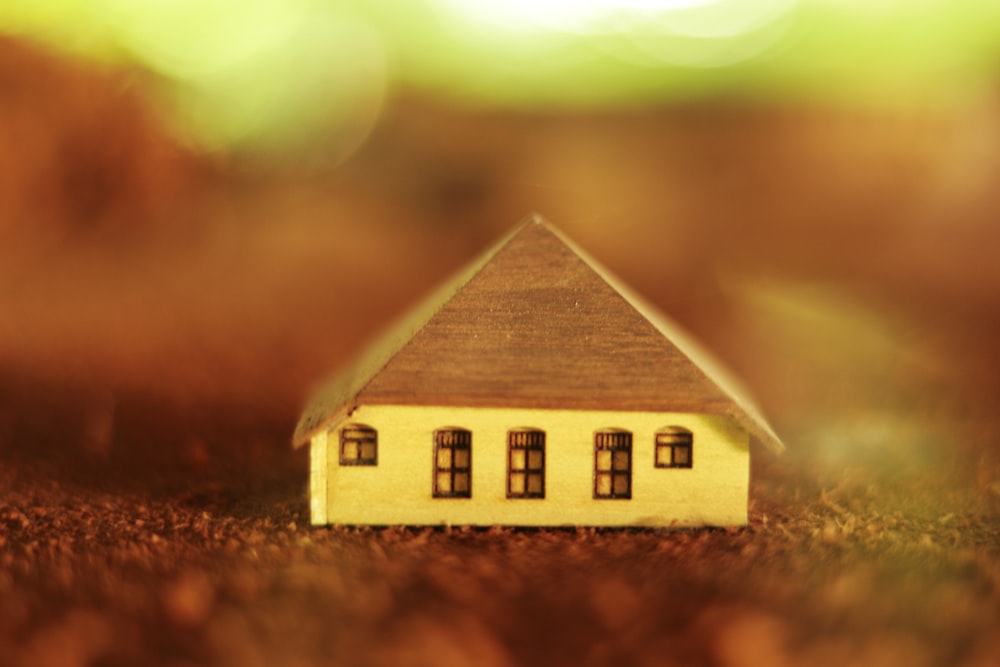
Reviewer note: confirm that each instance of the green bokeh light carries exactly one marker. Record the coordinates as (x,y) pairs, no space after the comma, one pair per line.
(274,74)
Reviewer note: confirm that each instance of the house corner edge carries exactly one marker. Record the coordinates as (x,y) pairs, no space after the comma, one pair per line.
(318,487)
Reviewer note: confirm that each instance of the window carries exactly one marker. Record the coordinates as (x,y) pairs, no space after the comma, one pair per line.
(612,463)
(452,463)
(526,463)
(673,448)
(358,445)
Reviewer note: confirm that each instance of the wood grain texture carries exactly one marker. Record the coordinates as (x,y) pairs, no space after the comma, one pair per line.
(537,326)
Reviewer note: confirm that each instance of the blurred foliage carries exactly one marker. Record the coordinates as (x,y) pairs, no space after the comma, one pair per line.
(275,74)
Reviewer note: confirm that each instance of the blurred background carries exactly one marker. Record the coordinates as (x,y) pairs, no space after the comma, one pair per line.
(207,206)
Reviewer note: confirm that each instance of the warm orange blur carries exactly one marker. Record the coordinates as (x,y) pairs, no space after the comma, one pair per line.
(168,301)
(840,258)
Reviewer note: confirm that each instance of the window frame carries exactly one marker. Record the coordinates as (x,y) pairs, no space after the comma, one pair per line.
(367,435)
(452,439)
(673,439)
(613,440)
(527,440)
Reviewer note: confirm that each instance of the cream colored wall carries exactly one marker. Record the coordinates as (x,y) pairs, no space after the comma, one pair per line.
(399,489)
(318,475)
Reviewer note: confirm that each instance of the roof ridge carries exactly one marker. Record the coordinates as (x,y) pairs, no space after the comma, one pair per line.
(336,395)
(711,368)
(545,326)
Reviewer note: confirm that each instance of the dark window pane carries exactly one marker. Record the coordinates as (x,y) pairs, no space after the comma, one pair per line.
(358,445)
(526,463)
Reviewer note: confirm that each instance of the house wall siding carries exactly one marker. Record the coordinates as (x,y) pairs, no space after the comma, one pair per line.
(399,489)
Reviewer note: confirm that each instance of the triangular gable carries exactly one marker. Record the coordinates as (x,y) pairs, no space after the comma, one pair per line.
(536,324)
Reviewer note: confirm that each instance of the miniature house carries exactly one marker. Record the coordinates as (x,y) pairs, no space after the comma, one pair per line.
(535,390)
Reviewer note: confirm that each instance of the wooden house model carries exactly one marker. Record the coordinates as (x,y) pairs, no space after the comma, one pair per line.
(533,389)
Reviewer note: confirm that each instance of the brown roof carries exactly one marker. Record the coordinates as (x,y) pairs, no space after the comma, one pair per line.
(535,323)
